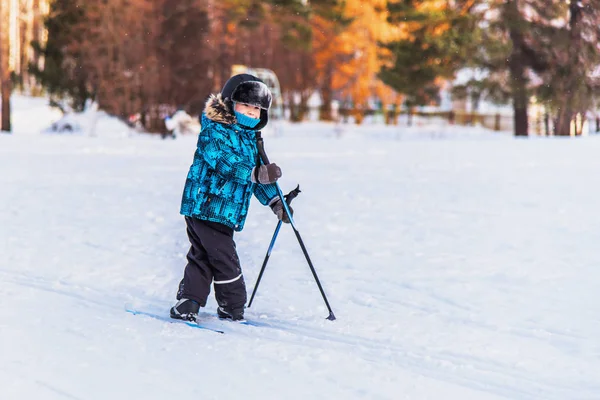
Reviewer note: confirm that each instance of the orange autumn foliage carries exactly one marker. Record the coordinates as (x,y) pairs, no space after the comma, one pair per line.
(349,58)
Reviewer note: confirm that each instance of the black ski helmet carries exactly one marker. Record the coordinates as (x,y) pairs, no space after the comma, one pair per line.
(248,89)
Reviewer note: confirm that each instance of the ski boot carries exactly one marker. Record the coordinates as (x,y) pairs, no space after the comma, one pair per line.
(185,309)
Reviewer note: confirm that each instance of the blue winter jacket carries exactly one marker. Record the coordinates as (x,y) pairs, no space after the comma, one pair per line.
(218,186)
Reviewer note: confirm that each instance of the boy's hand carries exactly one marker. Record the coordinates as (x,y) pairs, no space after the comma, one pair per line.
(266,174)
(278,209)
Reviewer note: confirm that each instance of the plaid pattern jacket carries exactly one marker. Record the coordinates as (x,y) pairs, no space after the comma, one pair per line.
(218,186)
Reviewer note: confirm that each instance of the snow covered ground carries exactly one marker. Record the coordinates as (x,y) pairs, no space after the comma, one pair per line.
(460,263)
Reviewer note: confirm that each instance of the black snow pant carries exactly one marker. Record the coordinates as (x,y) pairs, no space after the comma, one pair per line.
(212,258)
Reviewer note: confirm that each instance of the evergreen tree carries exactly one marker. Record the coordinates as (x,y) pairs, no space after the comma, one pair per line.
(571,81)
(438,40)
(525,56)
(64,73)
(551,50)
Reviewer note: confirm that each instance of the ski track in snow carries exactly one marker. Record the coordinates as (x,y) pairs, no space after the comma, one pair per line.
(452,272)
(422,361)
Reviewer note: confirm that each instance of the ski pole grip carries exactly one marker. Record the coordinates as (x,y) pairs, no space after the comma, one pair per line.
(292,194)
(261,148)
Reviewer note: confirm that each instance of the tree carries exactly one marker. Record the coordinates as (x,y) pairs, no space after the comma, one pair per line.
(63,73)
(573,49)
(518,63)
(5,72)
(438,38)
(182,55)
(356,76)
(117,48)
(292,57)
(509,50)
(328,22)
(552,51)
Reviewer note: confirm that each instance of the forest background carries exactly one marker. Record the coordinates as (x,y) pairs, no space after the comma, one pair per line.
(151,57)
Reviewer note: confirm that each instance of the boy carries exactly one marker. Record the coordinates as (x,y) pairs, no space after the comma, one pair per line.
(225,173)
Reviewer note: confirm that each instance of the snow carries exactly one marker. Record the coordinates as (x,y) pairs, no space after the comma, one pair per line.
(32,115)
(460,264)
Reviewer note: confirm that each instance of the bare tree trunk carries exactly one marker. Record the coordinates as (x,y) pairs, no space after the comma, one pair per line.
(327,94)
(6,89)
(516,66)
(303,106)
(5,84)
(566,113)
(563,122)
(292,107)
(520,106)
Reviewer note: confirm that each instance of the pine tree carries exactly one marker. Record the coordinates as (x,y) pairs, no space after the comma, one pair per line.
(64,73)
(552,42)
(438,38)
(573,50)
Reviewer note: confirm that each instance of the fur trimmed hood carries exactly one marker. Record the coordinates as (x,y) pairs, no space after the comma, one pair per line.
(217,110)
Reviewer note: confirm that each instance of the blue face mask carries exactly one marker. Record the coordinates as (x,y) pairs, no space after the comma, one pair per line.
(246,120)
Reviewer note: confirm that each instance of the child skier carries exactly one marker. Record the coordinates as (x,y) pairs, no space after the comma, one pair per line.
(224,175)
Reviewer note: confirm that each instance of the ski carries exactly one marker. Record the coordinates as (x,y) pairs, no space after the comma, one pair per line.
(168,319)
(205,320)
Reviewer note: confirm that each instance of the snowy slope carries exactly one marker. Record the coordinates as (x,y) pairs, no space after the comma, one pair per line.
(461,264)
(29,115)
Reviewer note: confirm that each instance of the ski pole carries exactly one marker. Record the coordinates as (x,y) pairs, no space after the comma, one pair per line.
(288,198)
(265,160)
